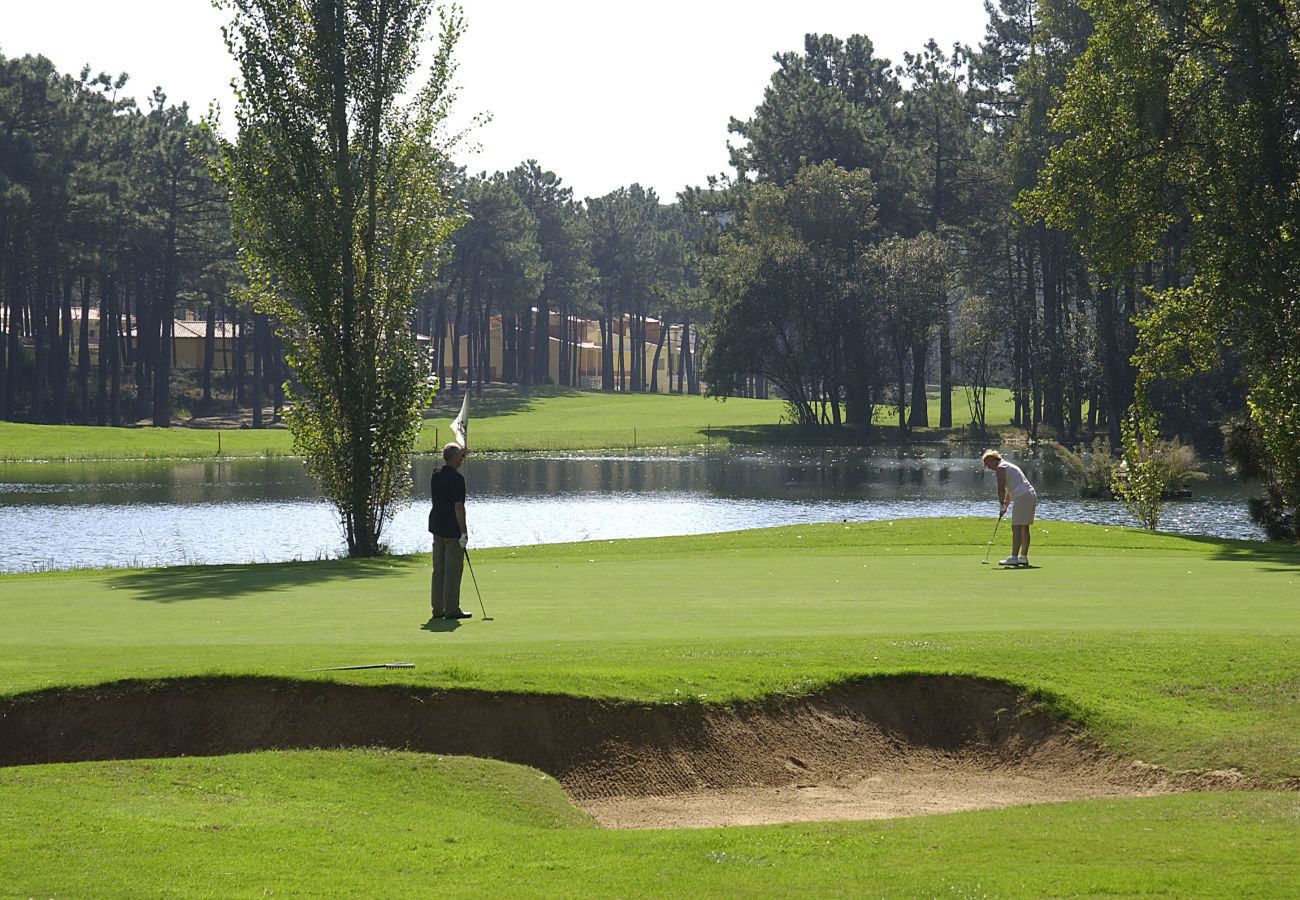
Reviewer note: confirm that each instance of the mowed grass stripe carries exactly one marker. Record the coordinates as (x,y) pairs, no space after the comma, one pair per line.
(1179,651)
(371,823)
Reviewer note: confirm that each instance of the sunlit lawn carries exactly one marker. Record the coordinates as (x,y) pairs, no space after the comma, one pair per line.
(503,420)
(1179,651)
(367,823)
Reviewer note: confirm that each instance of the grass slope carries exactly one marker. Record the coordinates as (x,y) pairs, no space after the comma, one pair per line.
(1179,651)
(503,420)
(394,824)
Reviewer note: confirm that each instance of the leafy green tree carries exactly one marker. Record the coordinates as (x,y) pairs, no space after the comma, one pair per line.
(1181,153)
(626,252)
(1045,285)
(911,278)
(836,102)
(977,352)
(1139,481)
(565,257)
(791,300)
(182,222)
(339,205)
(944,136)
(500,259)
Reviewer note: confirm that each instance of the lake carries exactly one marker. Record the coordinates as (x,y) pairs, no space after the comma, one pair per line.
(63,515)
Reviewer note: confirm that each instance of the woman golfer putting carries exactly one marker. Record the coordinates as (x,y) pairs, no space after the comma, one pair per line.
(1014,490)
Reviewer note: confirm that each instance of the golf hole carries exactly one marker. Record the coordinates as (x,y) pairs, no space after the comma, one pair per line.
(879,748)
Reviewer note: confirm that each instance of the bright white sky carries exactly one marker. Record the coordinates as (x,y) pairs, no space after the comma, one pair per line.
(603,92)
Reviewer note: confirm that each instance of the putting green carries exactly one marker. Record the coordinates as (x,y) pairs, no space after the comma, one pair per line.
(1178,651)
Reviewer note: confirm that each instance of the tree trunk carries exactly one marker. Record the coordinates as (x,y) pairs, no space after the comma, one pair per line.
(527,353)
(542,342)
(17,301)
(39,313)
(241,355)
(83,353)
(607,352)
(110,350)
(945,370)
(456,332)
(901,399)
(8,255)
(259,368)
(654,366)
(61,359)
(692,376)
(438,343)
(105,332)
(684,351)
(920,414)
(1053,380)
(622,355)
(209,352)
(281,371)
(1111,369)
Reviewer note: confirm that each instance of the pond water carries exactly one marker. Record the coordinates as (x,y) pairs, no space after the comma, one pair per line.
(62,515)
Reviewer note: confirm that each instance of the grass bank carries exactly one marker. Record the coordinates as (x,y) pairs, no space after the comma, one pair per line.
(503,420)
(394,824)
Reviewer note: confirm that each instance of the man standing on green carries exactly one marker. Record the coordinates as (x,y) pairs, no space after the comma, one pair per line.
(450,534)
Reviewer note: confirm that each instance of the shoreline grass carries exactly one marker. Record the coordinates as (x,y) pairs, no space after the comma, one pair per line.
(506,420)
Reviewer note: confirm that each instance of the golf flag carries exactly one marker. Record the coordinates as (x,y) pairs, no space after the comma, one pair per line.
(460,424)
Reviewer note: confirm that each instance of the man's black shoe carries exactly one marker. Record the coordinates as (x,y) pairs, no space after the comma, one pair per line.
(459,615)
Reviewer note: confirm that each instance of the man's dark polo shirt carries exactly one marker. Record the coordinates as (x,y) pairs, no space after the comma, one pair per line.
(447,488)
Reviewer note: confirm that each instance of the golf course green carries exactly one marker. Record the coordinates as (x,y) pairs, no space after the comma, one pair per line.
(1180,652)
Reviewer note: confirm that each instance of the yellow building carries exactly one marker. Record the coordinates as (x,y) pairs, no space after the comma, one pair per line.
(588,349)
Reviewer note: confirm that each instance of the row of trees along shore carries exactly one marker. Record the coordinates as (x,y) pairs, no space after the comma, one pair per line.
(110,224)
(1095,206)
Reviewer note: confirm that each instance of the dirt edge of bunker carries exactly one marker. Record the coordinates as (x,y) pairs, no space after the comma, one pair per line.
(946,732)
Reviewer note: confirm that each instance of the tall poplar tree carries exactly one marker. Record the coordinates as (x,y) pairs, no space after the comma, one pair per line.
(339,206)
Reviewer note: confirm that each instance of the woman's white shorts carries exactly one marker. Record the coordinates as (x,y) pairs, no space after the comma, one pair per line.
(1023,509)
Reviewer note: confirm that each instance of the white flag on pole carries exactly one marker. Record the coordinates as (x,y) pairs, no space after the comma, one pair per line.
(460,424)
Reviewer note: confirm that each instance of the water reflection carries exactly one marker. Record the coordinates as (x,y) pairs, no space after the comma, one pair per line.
(157,513)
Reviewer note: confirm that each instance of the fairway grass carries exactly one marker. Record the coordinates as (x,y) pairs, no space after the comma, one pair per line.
(504,420)
(1181,652)
(371,823)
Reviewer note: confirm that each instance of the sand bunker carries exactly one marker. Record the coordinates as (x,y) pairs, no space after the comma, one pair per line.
(888,747)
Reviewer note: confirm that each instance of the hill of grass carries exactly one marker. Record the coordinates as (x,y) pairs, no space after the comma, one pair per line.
(367,823)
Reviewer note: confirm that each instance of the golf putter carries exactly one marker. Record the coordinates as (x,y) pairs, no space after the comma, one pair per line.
(985,560)
(486,617)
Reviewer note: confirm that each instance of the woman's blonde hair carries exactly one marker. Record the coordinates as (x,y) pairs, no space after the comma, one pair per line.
(991,454)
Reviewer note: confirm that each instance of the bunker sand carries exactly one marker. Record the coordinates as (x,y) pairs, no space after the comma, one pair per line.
(880,748)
